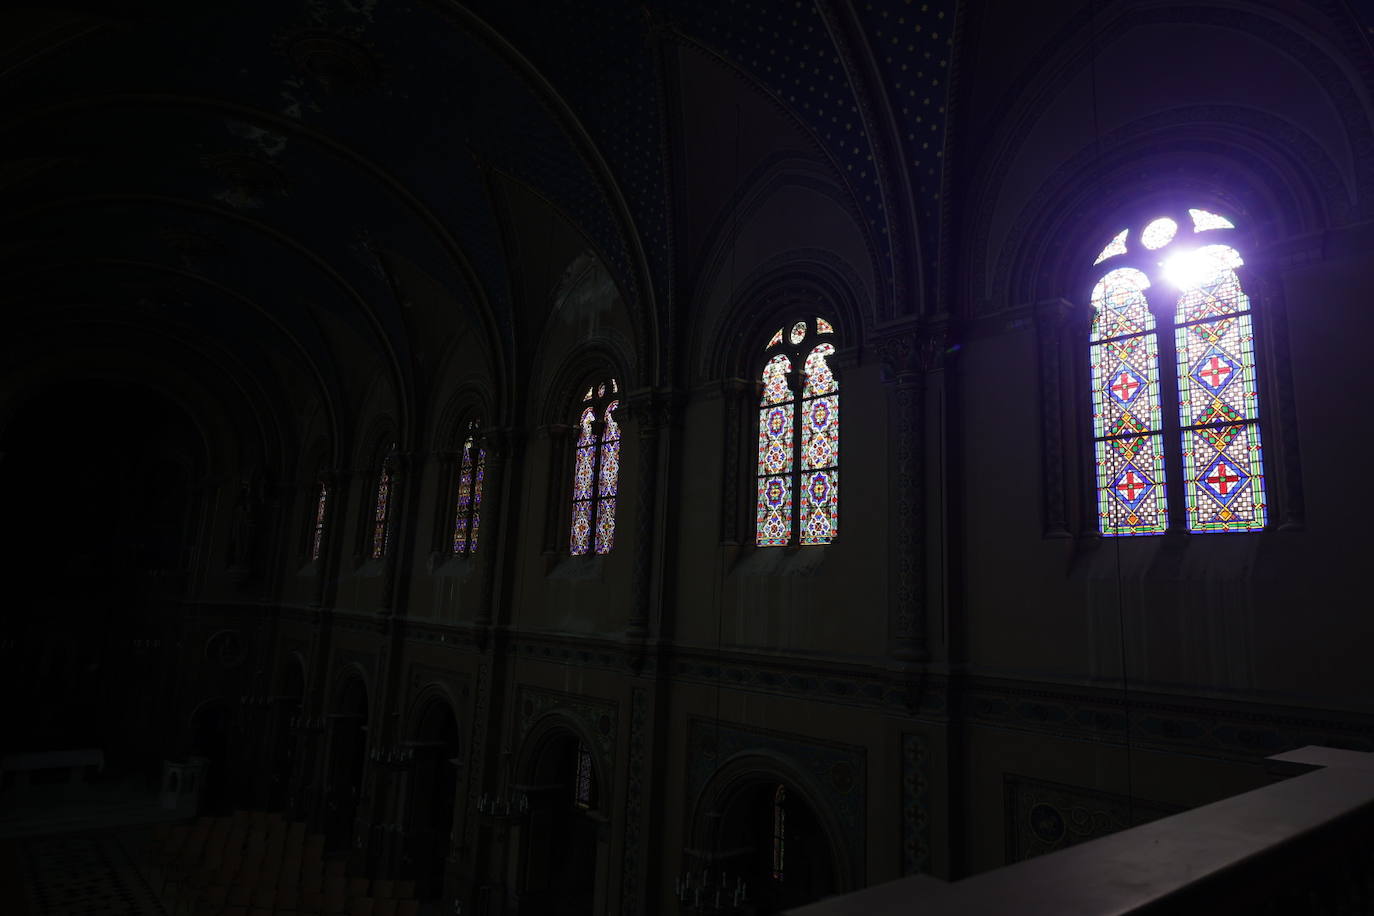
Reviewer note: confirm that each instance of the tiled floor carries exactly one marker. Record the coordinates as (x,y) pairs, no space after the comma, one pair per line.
(73,848)
(84,874)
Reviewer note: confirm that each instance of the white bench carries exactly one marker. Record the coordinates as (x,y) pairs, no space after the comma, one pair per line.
(74,761)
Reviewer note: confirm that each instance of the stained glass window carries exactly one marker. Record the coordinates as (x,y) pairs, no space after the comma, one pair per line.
(317,534)
(582,784)
(468,512)
(596,472)
(1115,247)
(1193,290)
(798,477)
(381,530)
(779,832)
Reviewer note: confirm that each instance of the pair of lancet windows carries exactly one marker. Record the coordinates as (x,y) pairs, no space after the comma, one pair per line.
(596,471)
(798,474)
(1171,295)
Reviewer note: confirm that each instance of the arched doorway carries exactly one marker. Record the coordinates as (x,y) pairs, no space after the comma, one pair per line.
(211,724)
(290,692)
(433,790)
(757,822)
(347,757)
(563,830)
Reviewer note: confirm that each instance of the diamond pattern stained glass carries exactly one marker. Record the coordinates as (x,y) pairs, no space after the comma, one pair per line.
(1125,379)
(1215,380)
(1119,305)
(798,333)
(774,340)
(1225,475)
(1214,289)
(824,327)
(1131,487)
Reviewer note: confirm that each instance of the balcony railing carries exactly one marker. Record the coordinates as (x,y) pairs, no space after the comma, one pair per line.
(1302,845)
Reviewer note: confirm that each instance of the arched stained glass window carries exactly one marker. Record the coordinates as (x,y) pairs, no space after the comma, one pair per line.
(317,532)
(798,478)
(1183,276)
(381,529)
(468,512)
(779,832)
(596,471)
(583,796)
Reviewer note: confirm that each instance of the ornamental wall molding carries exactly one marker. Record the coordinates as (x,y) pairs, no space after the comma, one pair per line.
(916,827)
(636,787)
(1043,816)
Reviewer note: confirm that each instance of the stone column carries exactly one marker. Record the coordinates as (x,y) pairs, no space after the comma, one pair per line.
(555,540)
(650,411)
(499,445)
(336,481)
(738,396)
(1051,319)
(901,353)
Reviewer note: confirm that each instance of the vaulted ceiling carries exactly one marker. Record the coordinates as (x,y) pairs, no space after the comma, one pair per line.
(310,194)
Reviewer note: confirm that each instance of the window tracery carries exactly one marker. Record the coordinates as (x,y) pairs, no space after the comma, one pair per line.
(798,474)
(381,528)
(596,471)
(467,523)
(1175,298)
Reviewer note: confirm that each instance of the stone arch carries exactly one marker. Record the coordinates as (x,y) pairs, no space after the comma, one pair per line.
(347,719)
(809,279)
(288,697)
(603,356)
(1256,166)
(434,738)
(210,728)
(578,880)
(716,813)
(467,401)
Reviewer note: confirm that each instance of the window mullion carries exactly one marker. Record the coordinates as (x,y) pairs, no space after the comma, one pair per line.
(1176,489)
(798,480)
